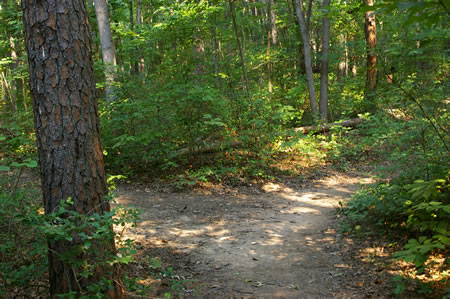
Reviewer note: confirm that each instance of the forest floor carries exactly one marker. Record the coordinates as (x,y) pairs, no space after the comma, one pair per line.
(273,240)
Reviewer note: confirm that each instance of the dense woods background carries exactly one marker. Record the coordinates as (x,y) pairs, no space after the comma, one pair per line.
(214,91)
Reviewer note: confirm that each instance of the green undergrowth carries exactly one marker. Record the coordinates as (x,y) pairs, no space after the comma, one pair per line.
(25,232)
(410,203)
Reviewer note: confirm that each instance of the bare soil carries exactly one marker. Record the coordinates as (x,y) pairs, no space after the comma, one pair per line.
(273,241)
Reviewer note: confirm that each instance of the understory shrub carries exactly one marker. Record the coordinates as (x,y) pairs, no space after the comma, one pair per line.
(412,201)
(25,232)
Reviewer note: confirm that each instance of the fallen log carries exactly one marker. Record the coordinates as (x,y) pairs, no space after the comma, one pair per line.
(208,148)
(352,123)
(220,145)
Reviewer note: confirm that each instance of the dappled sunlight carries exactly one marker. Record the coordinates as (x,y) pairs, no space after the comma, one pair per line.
(275,239)
(261,237)
(310,198)
(184,233)
(300,210)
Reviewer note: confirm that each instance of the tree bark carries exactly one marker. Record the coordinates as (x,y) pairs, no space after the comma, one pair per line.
(370,30)
(308,62)
(62,85)
(323,101)
(106,41)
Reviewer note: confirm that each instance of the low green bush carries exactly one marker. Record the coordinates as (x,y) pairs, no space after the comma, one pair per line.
(25,232)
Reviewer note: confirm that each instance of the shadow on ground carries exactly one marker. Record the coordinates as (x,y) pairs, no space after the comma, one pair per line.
(278,242)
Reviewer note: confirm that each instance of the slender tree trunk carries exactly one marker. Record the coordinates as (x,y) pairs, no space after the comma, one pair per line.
(273,23)
(106,41)
(353,59)
(139,13)
(308,63)
(343,62)
(17,83)
(270,42)
(214,56)
(62,84)
(370,29)
(133,60)
(323,101)
(139,20)
(241,52)
(10,92)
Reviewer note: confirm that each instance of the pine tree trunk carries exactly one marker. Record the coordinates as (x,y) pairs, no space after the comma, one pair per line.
(62,84)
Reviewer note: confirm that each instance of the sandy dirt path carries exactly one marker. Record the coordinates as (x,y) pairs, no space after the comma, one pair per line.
(278,242)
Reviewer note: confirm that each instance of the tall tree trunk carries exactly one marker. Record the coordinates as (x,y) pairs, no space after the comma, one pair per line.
(8,91)
(370,30)
(323,101)
(134,60)
(270,42)
(139,19)
(343,61)
(139,13)
(17,83)
(308,63)
(106,41)
(273,23)
(353,59)
(214,55)
(241,52)
(62,85)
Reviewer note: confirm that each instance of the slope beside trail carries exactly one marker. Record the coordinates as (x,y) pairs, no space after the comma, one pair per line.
(274,242)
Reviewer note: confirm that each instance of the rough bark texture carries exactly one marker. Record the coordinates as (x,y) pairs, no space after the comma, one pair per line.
(308,62)
(67,127)
(370,29)
(323,101)
(106,41)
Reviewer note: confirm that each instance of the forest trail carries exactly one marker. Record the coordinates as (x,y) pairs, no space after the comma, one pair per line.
(278,242)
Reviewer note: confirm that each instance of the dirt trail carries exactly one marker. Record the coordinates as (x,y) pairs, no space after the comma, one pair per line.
(279,242)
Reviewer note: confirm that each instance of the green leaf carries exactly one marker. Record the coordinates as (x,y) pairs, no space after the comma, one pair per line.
(4,168)
(31,164)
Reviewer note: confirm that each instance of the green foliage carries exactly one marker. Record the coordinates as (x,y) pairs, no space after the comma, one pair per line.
(428,212)
(93,237)
(181,112)
(23,250)
(414,202)
(26,231)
